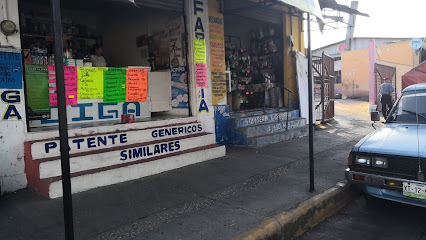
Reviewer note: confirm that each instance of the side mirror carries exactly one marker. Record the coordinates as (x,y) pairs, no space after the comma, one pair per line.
(375,116)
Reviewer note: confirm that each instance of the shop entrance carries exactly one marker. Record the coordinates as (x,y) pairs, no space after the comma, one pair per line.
(148,40)
(254,63)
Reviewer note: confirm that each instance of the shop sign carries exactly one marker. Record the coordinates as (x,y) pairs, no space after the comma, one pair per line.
(9,99)
(50,148)
(92,112)
(199,45)
(37,91)
(10,70)
(217,54)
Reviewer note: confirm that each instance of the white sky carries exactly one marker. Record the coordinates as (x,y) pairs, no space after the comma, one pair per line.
(388,18)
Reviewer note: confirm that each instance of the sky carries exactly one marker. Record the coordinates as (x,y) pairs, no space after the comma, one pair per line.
(388,18)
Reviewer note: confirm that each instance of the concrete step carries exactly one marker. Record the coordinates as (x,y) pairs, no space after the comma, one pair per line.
(261,141)
(79,162)
(271,128)
(252,113)
(83,181)
(262,119)
(41,149)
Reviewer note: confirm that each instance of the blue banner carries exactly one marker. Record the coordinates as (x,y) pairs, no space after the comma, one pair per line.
(10,70)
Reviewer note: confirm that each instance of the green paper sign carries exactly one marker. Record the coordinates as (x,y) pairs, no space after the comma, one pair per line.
(37,86)
(115,85)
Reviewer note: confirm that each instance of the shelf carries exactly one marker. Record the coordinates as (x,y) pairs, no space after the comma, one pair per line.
(64,37)
(267,55)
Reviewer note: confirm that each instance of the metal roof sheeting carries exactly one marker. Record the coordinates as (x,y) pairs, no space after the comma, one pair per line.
(170,5)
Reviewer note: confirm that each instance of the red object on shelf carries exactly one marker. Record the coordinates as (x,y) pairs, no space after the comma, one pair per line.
(127,118)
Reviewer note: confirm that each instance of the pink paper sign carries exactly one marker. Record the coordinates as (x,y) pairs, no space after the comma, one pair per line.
(201,74)
(70,76)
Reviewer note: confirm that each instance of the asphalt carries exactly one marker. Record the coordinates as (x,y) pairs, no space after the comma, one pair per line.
(217,199)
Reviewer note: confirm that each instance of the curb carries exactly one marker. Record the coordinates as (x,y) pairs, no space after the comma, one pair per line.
(308,214)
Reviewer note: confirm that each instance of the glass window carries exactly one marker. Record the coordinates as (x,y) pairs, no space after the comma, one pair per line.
(410,108)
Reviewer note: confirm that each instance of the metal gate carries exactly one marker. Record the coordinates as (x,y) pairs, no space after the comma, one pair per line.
(323,68)
(381,72)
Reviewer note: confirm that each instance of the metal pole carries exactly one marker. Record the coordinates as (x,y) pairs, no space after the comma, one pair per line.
(311,125)
(63,128)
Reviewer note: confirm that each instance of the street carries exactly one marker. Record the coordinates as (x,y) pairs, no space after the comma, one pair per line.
(379,220)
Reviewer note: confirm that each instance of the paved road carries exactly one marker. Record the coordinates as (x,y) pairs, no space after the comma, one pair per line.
(359,220)
(381,220)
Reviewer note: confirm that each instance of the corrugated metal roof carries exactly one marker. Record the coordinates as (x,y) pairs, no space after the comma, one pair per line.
(170,5)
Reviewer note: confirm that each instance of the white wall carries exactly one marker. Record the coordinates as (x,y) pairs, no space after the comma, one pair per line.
(12,132)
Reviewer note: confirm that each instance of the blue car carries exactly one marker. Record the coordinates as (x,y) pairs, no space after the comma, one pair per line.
(390,163)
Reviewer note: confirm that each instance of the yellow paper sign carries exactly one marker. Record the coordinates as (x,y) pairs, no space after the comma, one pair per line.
(90,82)
(199,51)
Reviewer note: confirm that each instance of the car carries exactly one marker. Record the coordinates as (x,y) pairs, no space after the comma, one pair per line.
(390,163)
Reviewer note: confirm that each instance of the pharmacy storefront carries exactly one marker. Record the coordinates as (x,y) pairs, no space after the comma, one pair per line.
(137,86)
(150,86)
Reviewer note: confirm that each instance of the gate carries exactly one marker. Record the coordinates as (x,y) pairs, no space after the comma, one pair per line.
(323,68)
(381,72)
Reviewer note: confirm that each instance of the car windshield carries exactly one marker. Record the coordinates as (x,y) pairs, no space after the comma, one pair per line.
(410,108)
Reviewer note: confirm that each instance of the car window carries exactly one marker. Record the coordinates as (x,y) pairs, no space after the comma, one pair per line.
(410,106)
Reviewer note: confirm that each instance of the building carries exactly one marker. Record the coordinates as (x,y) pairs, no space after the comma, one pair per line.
(161,102)
(336,51)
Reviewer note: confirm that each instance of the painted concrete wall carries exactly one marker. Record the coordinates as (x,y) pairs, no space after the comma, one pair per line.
(358,43)
(12,131)
(200,95)
(355,68)
(292,30)
(355,73)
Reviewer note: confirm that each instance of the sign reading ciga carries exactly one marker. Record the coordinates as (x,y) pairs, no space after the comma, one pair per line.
(50,148)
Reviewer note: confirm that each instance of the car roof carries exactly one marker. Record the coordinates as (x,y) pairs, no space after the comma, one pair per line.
(419,86)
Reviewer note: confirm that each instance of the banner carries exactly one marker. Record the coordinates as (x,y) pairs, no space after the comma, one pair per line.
(10,70)
(37,91)
(217,54)
(90,82)
(199,50)
(70,78)
(115,85)
(136,85)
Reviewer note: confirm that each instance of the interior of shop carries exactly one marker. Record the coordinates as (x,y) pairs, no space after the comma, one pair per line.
(254,61)
(101,33)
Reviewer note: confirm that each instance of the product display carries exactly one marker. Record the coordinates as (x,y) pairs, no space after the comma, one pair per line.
(255,71)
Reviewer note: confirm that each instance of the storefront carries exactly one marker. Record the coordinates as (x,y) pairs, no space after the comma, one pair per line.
(162,101)
(261,40)
(137,115)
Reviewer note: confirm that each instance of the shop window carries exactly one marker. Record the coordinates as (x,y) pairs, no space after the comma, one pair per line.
(338,77)
(109,51)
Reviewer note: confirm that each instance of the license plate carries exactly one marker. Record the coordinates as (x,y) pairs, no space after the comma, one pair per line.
(415,190)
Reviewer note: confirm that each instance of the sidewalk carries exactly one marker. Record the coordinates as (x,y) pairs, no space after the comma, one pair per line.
(218,199)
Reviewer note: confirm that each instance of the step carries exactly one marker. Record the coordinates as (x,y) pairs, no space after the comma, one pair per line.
(41,149)
(263,119)
(83,181)
(252,113)
(51,167)
(262,141)
(271,128)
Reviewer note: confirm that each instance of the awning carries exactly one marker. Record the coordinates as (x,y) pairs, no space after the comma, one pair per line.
(309,6)
(415,75)
(332,4)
